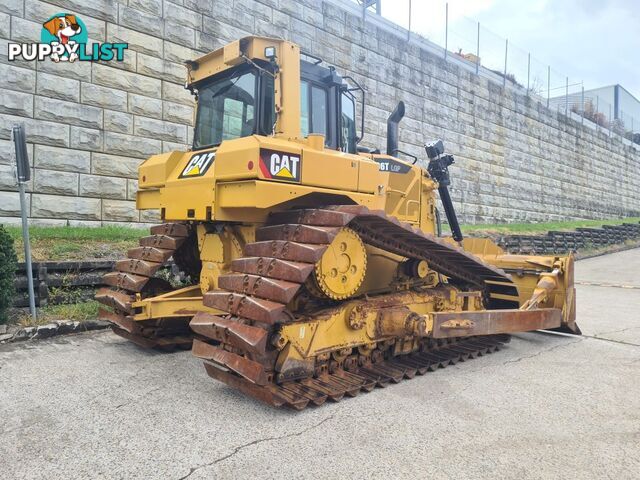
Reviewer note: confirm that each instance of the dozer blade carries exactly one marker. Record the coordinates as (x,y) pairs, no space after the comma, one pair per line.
(245,337)
(273,268)
(252,371)
(276,290)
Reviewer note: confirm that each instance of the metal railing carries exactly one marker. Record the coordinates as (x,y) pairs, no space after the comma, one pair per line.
(467,42)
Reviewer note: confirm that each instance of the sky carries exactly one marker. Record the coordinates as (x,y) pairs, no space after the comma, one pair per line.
(592,41)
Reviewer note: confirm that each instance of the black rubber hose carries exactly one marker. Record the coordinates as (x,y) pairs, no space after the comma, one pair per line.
(450,212)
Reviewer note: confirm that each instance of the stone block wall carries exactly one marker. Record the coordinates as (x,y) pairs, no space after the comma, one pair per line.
(89,125)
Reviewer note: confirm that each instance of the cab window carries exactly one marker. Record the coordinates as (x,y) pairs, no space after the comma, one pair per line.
(226,109)
(348,124)
(313,109)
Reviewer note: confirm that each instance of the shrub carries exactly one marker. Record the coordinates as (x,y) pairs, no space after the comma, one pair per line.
(8,261)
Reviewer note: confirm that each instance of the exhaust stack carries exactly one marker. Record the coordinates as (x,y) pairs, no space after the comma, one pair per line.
(392,128)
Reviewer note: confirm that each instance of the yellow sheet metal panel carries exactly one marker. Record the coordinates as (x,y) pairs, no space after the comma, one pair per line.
(148,199)
(330,169)
(287,94)
(368,177)
(224,58)
(155,171)
(251,201)
(400,183)
(238,159)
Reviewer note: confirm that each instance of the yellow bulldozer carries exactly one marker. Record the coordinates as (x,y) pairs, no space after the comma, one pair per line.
(317,266)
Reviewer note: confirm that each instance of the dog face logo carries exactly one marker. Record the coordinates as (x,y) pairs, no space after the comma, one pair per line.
(64,29)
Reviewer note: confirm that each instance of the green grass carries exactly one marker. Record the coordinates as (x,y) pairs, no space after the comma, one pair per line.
(111,243)
(110,233)
(76,243)
(80,311)
(543,227)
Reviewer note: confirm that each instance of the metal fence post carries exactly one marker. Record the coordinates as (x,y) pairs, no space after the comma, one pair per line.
(446,29)
(548,84)
(409,29)
(528,72)
(596,114)
(566,98)
(478,51)
(506,49)
(23,175)
(610,120)
(582,106)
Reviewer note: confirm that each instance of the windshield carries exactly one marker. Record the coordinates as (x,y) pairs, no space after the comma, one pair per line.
(226,110)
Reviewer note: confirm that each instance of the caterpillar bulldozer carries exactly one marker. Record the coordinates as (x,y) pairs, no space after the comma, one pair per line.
(317,265)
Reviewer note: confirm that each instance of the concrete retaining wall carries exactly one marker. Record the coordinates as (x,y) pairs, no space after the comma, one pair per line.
(90,124)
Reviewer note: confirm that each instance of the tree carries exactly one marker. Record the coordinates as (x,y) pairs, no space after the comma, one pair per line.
(8,263)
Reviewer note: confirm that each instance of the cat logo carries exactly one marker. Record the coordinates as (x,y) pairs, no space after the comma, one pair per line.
(280,165)
(198,165)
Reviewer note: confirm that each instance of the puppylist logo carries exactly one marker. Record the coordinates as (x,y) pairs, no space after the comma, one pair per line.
(64,38)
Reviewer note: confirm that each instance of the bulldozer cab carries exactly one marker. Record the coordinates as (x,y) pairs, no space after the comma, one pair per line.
(248,97)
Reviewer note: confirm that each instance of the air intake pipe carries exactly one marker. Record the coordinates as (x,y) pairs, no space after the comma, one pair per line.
(392,128)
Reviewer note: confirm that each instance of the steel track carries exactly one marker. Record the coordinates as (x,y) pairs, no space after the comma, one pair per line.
(135,275)
(316,391)
(262,284)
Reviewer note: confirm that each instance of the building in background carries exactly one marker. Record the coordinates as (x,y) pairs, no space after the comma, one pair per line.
(626,107)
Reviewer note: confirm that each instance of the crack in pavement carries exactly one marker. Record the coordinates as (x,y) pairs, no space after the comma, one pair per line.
(607,284)
(599,335)
(622,342)
(138,398)
(255,442)
(524,357)
(545,350)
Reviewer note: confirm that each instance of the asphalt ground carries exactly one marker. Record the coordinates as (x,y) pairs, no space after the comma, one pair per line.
(547,406)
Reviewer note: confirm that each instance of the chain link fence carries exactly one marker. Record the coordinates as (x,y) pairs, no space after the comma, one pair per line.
(467,42)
